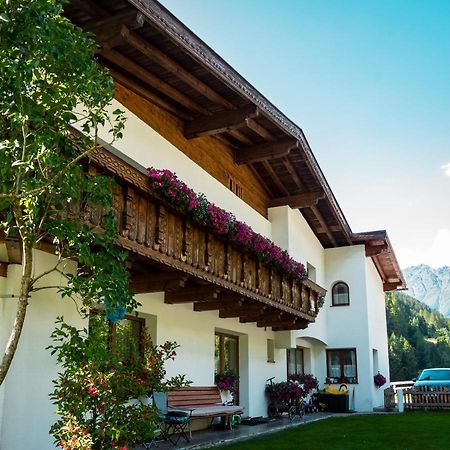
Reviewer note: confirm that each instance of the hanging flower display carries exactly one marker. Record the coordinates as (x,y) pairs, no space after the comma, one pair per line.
(379,379)
(223,223)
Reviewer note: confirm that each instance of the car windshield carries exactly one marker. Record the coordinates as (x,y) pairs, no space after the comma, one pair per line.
(435,375)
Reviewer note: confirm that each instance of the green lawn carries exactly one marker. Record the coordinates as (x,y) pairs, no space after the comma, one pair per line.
(415,430)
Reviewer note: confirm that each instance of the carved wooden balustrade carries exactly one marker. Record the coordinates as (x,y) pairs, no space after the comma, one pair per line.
(191,264)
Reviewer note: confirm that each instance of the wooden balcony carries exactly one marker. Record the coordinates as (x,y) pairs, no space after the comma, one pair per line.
(171,253)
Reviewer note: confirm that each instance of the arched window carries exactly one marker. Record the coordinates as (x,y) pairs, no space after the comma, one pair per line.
(340,294)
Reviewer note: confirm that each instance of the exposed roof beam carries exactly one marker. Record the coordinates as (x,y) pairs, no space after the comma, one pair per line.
(293,173)
(332,228)
(241,137)
(163,60)
(275,179)
(305,200)
(216,304)
(391,286)
(264,152)
(375,250)
(157,282)
(219,123)
(145,93)
(259,129)
(286,321)
(298,325)
(105,30)
(90,8)
(270,316)
(192,294)
(3,269)
(138,71)
(324,225)
(242,311)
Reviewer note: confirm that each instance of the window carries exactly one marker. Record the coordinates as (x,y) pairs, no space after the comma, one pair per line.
(341,365)
(226,353)
(270,350)
(340,294)
(294,362)
(311,271)
(235,187)
(124,337)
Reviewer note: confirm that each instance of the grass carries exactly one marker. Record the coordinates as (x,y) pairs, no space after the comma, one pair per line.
(408,431)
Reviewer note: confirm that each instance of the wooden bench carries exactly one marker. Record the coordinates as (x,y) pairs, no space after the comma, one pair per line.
(201,402)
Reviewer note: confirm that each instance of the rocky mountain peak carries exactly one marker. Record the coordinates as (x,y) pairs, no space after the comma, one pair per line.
(430,286)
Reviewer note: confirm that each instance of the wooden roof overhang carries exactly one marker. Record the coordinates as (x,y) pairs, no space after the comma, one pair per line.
(379,248)
(152,53)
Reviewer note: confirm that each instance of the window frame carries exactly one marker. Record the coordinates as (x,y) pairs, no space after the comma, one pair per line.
(271,351)
(342,378)
(222,350)
(297,349)
(112,329)
(337,283)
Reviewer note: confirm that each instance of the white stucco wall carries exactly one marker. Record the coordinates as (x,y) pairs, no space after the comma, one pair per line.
(194,332)
(27,410)
(348,326)
(377,330)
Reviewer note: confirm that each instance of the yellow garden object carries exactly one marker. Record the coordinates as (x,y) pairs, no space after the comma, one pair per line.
(343,390)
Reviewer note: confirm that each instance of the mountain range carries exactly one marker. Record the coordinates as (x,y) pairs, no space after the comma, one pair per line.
(430,286)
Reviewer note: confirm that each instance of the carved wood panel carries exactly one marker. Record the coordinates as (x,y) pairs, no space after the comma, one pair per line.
(150,227)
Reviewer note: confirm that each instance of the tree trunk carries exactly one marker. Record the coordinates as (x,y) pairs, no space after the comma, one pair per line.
(25,286)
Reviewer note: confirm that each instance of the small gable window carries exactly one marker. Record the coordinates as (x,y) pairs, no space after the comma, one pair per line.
(340,294)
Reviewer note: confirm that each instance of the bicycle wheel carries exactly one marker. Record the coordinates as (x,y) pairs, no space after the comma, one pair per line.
(292,411)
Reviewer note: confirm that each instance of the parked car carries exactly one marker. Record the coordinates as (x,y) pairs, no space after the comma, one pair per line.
(434,377)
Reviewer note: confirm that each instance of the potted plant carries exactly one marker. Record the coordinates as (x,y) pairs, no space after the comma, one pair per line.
(379,380)
(228,383)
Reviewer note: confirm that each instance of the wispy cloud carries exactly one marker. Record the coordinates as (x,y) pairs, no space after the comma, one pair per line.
(446,169)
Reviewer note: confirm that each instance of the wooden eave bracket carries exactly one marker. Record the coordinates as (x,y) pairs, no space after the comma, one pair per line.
(107,31)
(304,200)
(3,269)
(192,294)
(159,281)
(220,122)
(264,152)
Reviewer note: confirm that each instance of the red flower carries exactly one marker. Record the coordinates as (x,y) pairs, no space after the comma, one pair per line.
(92,390)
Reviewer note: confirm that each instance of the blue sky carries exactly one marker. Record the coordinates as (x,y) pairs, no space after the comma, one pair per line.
(369,84)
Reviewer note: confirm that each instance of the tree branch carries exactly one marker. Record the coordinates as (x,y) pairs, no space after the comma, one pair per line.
(16,331)
(46,287)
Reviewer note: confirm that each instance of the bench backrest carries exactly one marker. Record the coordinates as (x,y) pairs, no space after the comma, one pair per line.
(195,396)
